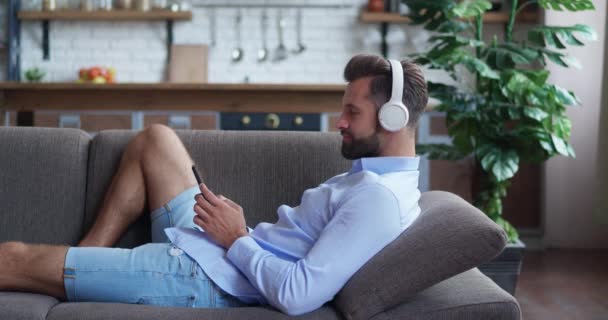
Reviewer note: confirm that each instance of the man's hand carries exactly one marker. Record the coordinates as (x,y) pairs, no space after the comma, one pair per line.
(220,217)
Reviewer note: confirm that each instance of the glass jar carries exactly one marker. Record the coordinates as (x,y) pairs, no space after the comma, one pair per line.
(31,5)
(124,4)
(49,5)
(142,5)
(106,5)
(159,4)
(87,5)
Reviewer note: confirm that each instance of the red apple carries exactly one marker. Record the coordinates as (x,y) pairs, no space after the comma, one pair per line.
(94,72)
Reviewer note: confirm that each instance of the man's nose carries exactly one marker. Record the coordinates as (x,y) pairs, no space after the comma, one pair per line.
(341,123)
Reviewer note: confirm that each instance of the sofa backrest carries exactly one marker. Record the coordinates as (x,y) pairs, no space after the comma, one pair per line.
(260,170)
(42,184)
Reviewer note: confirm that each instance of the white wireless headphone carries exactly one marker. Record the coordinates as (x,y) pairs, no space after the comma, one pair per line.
(393,115)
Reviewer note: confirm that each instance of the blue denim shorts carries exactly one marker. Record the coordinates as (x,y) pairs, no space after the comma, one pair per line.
(156,273)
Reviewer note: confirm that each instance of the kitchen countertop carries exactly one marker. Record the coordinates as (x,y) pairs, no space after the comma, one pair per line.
(293,98)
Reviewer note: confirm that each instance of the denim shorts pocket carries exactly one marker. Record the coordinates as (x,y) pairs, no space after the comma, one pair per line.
(170,301)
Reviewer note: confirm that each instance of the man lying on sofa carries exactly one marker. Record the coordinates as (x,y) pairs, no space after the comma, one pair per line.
(296,265)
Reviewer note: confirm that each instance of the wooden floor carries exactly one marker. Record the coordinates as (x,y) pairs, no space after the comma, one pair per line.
(564,285)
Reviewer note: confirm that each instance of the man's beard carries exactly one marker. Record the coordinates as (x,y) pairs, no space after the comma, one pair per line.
(362,147)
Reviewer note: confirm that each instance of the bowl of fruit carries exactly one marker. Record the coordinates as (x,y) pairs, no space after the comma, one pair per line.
(96,74)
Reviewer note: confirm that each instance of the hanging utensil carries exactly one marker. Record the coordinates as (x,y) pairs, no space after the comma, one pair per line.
(281,52)
(237,53)
(301,47)
(212,26)
(263,51)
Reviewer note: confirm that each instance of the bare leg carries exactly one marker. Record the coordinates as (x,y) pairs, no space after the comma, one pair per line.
(32,268)
(155,167)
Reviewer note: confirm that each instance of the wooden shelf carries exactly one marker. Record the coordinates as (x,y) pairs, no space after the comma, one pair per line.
(222,97)
(490,17)
(113,15)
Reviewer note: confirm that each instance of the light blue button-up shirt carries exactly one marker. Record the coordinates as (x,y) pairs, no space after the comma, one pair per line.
(301,262)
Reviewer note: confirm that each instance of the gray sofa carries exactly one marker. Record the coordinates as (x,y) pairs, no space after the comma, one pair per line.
(53,181)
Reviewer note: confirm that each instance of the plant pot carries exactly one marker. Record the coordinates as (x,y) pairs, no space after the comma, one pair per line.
(506,267)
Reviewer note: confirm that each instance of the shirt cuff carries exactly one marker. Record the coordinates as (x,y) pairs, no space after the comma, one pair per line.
(242,250)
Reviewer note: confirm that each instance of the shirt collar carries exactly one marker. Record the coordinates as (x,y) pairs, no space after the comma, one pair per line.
(382,165)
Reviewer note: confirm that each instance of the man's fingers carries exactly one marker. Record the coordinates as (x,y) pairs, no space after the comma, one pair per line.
(209,196)
(203,203)
(199,222)
(201,213)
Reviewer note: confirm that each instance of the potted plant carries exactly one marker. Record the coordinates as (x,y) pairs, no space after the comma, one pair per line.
(510,113)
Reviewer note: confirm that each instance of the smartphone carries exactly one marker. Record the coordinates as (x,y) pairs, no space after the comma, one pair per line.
(198,179)
(196,175)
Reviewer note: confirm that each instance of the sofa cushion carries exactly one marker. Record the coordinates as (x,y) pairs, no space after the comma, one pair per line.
(43,174)
(469,295)
(260,170)
(117,311)
(450,237)
(24,306)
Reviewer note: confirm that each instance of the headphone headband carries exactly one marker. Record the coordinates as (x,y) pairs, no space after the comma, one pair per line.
(397,87)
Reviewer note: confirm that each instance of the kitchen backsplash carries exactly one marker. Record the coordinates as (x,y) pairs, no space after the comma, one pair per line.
(137,50)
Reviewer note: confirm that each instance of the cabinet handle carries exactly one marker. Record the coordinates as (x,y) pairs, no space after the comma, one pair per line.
(272,121)
(245,120)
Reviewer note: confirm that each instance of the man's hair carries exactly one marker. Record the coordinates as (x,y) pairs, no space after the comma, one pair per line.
(415,96)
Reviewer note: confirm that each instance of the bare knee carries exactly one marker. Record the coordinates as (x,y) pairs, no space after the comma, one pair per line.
(161,141)
(158,133)
(151,136)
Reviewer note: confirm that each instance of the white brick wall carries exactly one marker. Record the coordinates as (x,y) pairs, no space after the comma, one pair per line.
(137,49)
(3,37)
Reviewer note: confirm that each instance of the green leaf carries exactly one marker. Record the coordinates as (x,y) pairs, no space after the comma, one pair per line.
(539,77)
(571,152)
(562,127)
(511,232)
(560,145)
(556,57)
(552,36)
(533,100)
(506,55)
(453,26)
(432,14)
(494,208)
(547,145)
(535,113)
(455,40)
(475,65)
(470,8)
(565,96)
(506,166)
(502,164)
(570,5)
(572,62)
(519,83)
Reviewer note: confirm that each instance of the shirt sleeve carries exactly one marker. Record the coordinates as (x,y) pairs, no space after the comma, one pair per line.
(365,222)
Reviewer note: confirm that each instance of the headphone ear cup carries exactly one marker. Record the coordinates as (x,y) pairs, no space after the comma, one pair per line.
(393,117)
